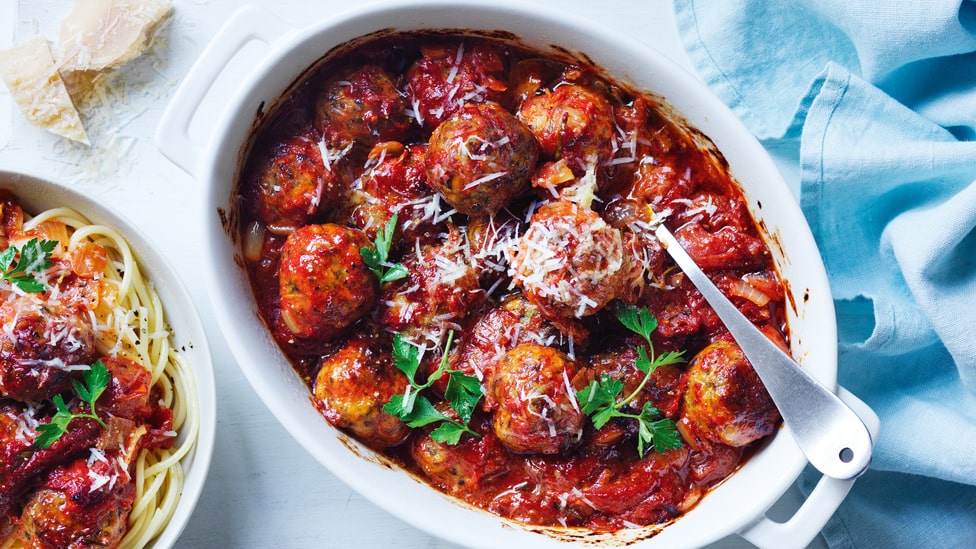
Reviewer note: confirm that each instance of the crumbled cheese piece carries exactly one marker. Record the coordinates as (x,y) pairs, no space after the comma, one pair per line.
(29,72)
(105,34)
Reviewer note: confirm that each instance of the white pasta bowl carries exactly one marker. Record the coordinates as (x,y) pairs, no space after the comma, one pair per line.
(37,194)
(738,505)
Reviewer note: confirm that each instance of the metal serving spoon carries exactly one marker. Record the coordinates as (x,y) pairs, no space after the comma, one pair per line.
(828,432)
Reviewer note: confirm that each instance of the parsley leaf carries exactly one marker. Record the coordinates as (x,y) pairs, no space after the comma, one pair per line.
(35,257)
(406,356)
(377,258)
(450,432)
(598,395)
(640,321)
(599,399)
(660,431)
(463,393)
(96,381)
(422,413)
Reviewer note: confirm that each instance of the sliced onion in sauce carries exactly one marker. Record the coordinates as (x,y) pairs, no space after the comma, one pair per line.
(742,288)
(289,321)
(253,242)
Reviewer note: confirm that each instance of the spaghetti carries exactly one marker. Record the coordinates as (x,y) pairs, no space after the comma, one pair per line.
(94,274)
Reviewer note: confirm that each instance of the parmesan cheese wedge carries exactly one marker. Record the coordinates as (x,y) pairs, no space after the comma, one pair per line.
(105,34)
(29,72)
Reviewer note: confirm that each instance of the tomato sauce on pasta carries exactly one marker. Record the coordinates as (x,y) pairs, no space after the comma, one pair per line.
(111,475)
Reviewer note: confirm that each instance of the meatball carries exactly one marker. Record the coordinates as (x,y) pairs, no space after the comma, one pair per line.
(20,472)
(536,409)
(469,467)
(448,76)
(658,182)
(712,210)
(489,236)
(571,122)
(717,233)
(323,283)
(42,349)
(725,401)
(726,248)
(364,108)
(480,158)
(395,182)
(292,184)
(663,390)
(570,263)
(351,388)
(504,327)
(83,504)
(439,290)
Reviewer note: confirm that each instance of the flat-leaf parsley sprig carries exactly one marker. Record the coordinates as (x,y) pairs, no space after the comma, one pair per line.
(463,393)
(599,398)
(377,259)
(34,258)
(96,381)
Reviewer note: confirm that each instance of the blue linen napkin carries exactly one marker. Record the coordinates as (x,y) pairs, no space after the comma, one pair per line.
(876,103)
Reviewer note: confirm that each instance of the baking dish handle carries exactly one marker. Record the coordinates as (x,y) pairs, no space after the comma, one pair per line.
(820,505)
(246,25)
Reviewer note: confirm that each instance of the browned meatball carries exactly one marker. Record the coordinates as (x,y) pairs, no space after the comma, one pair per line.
(633,217)
(489,236)
(664,389)
(570,263)
(18,475)
(717,233)
(128,393)
(725,400)
(438,292)
(571,122)
(365,107)
(292,185)
(323,283)
(395,182)
(464,468)
(480,158)
(42,348)
(502,328)
(725,248)
(536,408)
(449,75)
(81,504)
(351,388)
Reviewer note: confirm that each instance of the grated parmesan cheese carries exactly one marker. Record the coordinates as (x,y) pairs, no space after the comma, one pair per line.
(484,179)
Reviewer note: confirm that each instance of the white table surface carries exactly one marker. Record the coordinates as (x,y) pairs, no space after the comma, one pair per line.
(264,490)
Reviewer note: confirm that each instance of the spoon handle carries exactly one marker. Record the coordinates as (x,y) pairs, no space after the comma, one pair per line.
(828,432)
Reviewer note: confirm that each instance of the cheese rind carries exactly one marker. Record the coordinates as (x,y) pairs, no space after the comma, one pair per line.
(30,74)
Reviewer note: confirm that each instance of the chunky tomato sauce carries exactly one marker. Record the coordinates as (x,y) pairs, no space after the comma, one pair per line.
(525,189)
(78,487)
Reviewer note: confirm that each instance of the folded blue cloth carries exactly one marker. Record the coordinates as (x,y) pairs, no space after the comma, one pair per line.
(877,103)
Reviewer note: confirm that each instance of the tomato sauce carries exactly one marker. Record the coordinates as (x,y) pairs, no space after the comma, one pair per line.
(521,190)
